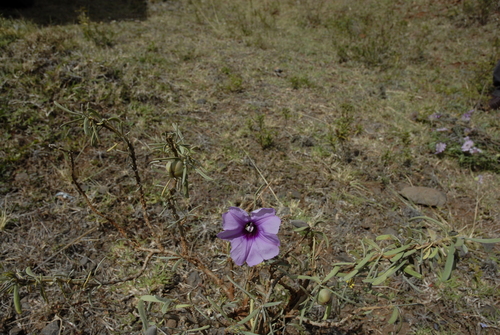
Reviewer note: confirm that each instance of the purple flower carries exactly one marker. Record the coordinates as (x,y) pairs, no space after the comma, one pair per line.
(442,129)
(253,237)
(466,116)
(468,144)
(434,116)
(469,147)
(440,147)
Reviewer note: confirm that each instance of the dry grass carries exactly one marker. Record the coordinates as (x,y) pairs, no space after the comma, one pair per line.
(324,103)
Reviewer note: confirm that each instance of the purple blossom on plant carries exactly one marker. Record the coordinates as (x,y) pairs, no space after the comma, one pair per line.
(253,237)
(467,116)
(442,129)
(434,116)
(468,144)
(469,147)
(440,147)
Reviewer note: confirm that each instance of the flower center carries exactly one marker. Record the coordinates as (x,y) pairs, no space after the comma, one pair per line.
(250,227)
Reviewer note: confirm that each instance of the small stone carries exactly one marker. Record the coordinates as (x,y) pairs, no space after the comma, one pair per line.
(51,329)
(194,279)
(171,323)
(16,331)
(424,196)
(151,330)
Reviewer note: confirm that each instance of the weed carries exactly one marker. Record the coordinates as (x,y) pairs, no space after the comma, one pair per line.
(93,32)
(264,135)
(300,82)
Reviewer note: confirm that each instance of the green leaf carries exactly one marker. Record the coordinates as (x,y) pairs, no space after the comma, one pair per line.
(86,126)
(332,273)
(202,173)
(383,277)
(364,261)
(385,237)
(397,257)
(397,250)
(249,316)
(434,253)
(142,313)
(29,272)
(152,298)
(17,300)
(394,316)
(251,296)
(298,230)
(484,240)
(371,243)
(409,270)
(271,304)
(315,278)
(65,109)
(43,293)
(179,306)
(350,275)
(197,329)
(448,267)
(409,252)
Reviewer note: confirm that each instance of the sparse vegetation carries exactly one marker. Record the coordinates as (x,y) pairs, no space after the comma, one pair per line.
(125,141)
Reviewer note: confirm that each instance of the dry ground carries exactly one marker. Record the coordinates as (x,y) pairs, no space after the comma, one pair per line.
(320,109)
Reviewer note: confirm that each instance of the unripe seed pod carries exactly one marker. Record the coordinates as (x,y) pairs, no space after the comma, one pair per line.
(324,296)
(175,168)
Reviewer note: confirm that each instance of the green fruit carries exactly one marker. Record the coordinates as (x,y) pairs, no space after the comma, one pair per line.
(175,168)
(324,296)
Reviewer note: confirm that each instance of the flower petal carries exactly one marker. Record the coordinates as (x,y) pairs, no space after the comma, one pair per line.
(231,234)
(262,248)
(266,220)
(235,218)
(240,248)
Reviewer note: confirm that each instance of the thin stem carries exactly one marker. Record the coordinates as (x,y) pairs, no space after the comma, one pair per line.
(87,200)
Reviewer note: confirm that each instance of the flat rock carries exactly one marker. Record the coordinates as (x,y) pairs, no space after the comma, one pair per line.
(424,196)
(51,329)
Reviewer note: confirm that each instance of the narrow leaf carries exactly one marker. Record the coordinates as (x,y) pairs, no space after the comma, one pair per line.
(142,313)
(350,275)
(484,240)
(152,298)
(383,277)
(315,278)
(434,253)
(371,243)
(397,257)
(332,273)
(198,329)
(448,267)
(409,270)
(397,250)
(364,261)
(86,126)
(17,300)
(385,237)
(202,173)
(249,316)
(251,296)
(394,316)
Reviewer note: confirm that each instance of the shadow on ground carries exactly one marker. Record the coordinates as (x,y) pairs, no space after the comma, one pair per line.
(46,12)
